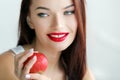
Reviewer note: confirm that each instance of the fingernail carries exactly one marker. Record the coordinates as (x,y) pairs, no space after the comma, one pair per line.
(34,58)
(27,76)
(31,50)
(36,52)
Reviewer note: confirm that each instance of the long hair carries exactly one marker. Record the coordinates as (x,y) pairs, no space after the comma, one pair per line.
(74,57)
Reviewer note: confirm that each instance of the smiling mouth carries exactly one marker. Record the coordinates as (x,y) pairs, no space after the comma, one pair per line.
(58,37)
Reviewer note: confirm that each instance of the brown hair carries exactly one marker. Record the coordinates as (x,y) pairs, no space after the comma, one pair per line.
(74,57)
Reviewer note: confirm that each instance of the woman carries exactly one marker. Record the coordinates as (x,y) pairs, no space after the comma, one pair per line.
(57,29)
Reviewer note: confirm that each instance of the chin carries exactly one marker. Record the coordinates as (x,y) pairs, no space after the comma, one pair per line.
(61,47)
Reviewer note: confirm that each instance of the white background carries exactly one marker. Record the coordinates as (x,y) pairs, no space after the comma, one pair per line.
(103,34)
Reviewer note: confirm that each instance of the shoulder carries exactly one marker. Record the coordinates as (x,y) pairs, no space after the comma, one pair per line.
(7,57)
(7,66)
(89,75)
(7,60)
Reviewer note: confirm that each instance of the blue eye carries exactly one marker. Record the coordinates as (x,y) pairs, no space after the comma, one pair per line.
(69,12)
(42,15)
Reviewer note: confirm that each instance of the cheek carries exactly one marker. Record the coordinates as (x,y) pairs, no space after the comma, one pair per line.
(39,22)
(72,24)
(40,25)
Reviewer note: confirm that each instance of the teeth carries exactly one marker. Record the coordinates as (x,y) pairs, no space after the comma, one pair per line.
(61,35)
(57,36)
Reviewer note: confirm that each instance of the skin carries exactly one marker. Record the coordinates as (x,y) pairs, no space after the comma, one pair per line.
(59,19)
(7,68)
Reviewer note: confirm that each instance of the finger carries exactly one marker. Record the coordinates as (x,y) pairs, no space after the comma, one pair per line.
(36,76)
(18,66)
(21,59)
(21,54)
(24,58)
(29,65)
(25,55)
(27,76)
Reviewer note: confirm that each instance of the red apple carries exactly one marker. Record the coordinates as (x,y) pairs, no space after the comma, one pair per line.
(40,64)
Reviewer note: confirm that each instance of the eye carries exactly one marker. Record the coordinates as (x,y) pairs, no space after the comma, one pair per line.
(42,14)
(69,12)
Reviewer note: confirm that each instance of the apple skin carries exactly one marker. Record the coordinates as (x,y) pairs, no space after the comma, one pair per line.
(40,65)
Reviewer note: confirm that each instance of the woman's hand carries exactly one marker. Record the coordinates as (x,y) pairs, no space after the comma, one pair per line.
(36,76)
(23,73)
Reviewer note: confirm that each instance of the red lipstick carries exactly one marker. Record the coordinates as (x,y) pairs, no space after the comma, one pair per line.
(58,36)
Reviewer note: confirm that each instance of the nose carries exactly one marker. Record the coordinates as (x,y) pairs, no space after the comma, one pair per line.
(58,21)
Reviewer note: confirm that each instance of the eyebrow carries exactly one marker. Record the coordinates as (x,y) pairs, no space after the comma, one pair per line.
(41,7)
(69,6)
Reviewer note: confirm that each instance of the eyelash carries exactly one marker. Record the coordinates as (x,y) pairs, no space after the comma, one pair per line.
(42,14)
(65,13)
(69,12)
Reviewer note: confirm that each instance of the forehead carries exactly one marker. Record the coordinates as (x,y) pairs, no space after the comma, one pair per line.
(51,3)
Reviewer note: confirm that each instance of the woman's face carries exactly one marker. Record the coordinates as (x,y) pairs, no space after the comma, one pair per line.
(54,22)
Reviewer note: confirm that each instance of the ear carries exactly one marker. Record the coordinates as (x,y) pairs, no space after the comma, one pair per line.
(29,22)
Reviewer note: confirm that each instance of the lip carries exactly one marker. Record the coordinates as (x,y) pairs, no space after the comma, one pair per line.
(58,36)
